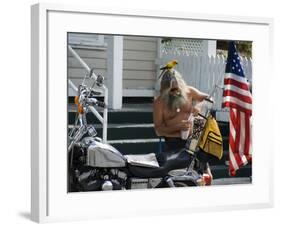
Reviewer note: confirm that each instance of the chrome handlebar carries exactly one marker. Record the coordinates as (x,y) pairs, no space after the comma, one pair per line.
(86,97)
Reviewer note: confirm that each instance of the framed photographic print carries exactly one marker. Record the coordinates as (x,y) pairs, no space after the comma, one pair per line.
(126,112)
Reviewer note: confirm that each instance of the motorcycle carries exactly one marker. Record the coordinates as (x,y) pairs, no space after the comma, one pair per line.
(94,165)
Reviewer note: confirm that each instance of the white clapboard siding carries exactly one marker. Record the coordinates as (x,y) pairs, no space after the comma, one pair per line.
(128,83)
(139,55)
(138,75)
(145,44)
(80,72)
(139,68)
(90,53)
(139,65)
(128,74)
(96,63)
(142,84)
(204,72)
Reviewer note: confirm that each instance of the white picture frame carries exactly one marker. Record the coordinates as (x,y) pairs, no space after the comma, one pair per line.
(50,200)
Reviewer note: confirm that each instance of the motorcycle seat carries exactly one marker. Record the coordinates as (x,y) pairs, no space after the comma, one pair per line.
(148,160)
(167,161)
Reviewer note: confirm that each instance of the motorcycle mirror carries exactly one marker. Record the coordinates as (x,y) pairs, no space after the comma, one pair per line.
(100,80)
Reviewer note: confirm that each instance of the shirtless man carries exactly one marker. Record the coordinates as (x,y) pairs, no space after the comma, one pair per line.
(173,107)
(171,111)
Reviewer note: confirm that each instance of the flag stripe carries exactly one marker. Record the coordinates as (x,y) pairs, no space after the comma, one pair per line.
(233,105)
(232,163)
(237,124)
(233,137)
(239,96)
(243,137)
(236,77)
(234,102)
(238,132)
(233,166)
(247,131)
(237,90)
(242,133)
(233,82)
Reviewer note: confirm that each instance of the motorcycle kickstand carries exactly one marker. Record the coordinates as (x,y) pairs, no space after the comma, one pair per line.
(170,182)
(149,183)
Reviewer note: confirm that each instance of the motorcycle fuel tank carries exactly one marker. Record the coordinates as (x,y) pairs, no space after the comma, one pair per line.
(104,155)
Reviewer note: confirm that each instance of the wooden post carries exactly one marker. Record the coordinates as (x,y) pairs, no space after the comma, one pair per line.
(115,71)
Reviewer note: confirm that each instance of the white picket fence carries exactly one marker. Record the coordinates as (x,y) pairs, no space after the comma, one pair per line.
(205,72)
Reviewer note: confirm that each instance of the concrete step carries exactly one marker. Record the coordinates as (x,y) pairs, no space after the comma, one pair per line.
(129,114)
(232,180)
(129,131)
(222,171)
(117,118)
(215,161)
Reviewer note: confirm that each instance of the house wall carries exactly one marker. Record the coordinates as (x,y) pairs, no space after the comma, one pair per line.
(139,68)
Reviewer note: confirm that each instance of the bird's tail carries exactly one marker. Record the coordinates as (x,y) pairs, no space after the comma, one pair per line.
(162,73)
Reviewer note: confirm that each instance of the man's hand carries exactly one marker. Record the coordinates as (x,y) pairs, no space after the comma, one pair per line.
(184,125)
(195,111)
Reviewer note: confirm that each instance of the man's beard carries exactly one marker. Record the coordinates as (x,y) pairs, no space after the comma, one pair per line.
(174,102)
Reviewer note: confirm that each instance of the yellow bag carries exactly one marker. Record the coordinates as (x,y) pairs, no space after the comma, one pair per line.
(211,140)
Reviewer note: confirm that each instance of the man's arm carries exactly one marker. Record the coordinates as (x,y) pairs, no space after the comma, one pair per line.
(197,95)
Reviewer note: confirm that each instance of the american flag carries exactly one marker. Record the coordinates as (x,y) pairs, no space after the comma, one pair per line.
(238,98)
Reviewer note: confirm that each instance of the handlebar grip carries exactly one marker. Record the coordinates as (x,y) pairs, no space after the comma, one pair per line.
(209,100)
(94,101)
(101,104)
(202,116)
(95,93)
